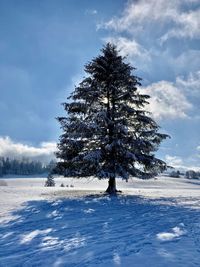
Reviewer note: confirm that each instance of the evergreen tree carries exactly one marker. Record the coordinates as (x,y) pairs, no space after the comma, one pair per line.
(50,181)
(51,166)
(107,133)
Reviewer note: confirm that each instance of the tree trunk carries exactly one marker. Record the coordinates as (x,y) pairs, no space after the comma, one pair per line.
(112,187)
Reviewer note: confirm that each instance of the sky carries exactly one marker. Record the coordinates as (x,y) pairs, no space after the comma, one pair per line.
(45,44)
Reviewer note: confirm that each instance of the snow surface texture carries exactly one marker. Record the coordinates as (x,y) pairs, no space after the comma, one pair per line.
(156,223)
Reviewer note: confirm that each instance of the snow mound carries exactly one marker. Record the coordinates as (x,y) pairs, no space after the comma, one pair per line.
(168,236)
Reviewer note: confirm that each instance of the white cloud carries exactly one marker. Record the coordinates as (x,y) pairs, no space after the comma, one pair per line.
(174,161)
(129,47)
(136,14)
(91,11)
(188,163)
(167,101)
(143,28)
(9,148)
(187,25)
(191,84)
(171,15)
(187,61)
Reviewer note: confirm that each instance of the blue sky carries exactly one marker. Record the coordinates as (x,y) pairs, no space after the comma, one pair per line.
(45,44)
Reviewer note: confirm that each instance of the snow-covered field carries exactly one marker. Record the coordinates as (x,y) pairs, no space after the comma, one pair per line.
(153,223)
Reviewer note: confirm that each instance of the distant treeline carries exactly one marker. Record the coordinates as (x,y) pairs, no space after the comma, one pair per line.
(190,174)
(23,166)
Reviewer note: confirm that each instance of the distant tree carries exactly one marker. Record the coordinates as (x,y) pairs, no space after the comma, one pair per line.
(50,181)
(175,174)
(15,167)
(7,165)
(51,166)
(192,175)
(107,132)
(22,166)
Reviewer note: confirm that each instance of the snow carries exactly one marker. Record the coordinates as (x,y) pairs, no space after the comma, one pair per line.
(176,232)
(27,238)
(153,223)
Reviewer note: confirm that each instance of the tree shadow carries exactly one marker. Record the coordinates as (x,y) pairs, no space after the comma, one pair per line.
(99,230)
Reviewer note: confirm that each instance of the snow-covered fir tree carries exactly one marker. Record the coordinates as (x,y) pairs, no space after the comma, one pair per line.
(50,181)
(107,133)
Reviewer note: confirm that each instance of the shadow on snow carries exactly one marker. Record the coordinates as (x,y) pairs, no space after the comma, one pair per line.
(101,231)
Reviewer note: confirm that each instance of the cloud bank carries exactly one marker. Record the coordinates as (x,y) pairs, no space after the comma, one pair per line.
(9,148)
(182,164)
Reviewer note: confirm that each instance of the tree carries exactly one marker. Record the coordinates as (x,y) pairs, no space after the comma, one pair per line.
(192,174)
(51,166)
(107,133)
(175,174)
(50,181)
